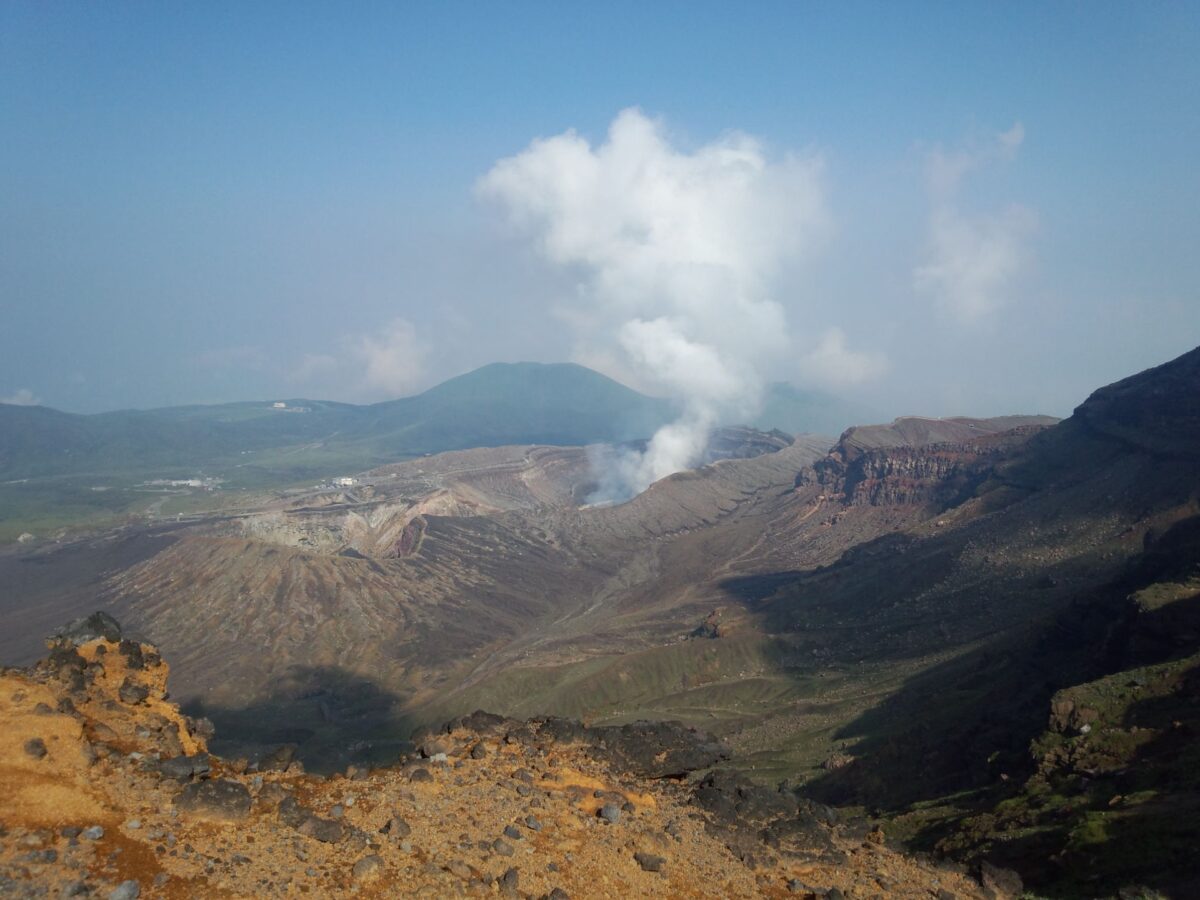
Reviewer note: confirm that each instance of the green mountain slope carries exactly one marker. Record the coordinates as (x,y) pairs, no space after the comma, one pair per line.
(498,404)
(59,469)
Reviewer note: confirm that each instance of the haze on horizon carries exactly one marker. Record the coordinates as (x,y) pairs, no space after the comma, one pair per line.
(976,210)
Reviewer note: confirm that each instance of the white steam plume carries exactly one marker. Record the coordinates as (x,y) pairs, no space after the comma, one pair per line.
(678,252)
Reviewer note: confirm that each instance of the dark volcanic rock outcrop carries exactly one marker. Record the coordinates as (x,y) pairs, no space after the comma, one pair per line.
(887,466)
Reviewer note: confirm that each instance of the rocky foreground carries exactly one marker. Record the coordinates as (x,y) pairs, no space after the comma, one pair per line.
(107,790)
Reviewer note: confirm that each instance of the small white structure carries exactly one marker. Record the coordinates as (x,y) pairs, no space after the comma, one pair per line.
(279,404)
(345,482)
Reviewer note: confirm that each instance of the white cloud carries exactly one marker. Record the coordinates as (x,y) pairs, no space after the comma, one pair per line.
(831,362)
(946,169)
(679,252)
(22,397)
(973,261)
(391,359)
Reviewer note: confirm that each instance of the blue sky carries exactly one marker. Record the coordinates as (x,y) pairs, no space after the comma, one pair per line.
(233,201)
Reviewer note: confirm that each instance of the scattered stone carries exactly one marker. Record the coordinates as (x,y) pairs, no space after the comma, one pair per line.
(502,847)
(327,831)
(610,813)
(459,868)
(291,813)
(479,751)
(278,759)
(434,747)
(36,748)
(221,799)
(369,868)
(420,775)
(132,651)
(133,824)
(102,732)
(126,890)
(92,833)
(396,828)
(509,880)
(532,823)
(132,693)
(649,862)
(185,768)
(512,831)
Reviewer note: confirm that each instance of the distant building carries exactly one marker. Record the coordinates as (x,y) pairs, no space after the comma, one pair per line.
(279,404)
(345,482)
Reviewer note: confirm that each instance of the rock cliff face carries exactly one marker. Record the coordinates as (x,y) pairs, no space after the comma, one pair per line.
(879,472)
(109,790)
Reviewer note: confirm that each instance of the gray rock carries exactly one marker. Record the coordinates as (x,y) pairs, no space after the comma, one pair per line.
(510,880)
(222,799)
(126,890)
(185,768)
(649,862)
(433,747)
(460,869)
(532,823)
(278,759)
(610,813)
(502,847)
(478,751)
(420,775)
(327,831)
(369,868)
(396,828)
(92,833)
(513,832)
(97,625)
(291,813)
(36,748)
(132,693)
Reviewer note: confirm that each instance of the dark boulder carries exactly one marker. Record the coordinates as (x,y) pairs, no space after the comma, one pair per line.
(657,749)
(277,759)
(327,831)
(132,693)
(185,768)
(649,862)
(98,625)
(292,813)
(221,799)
